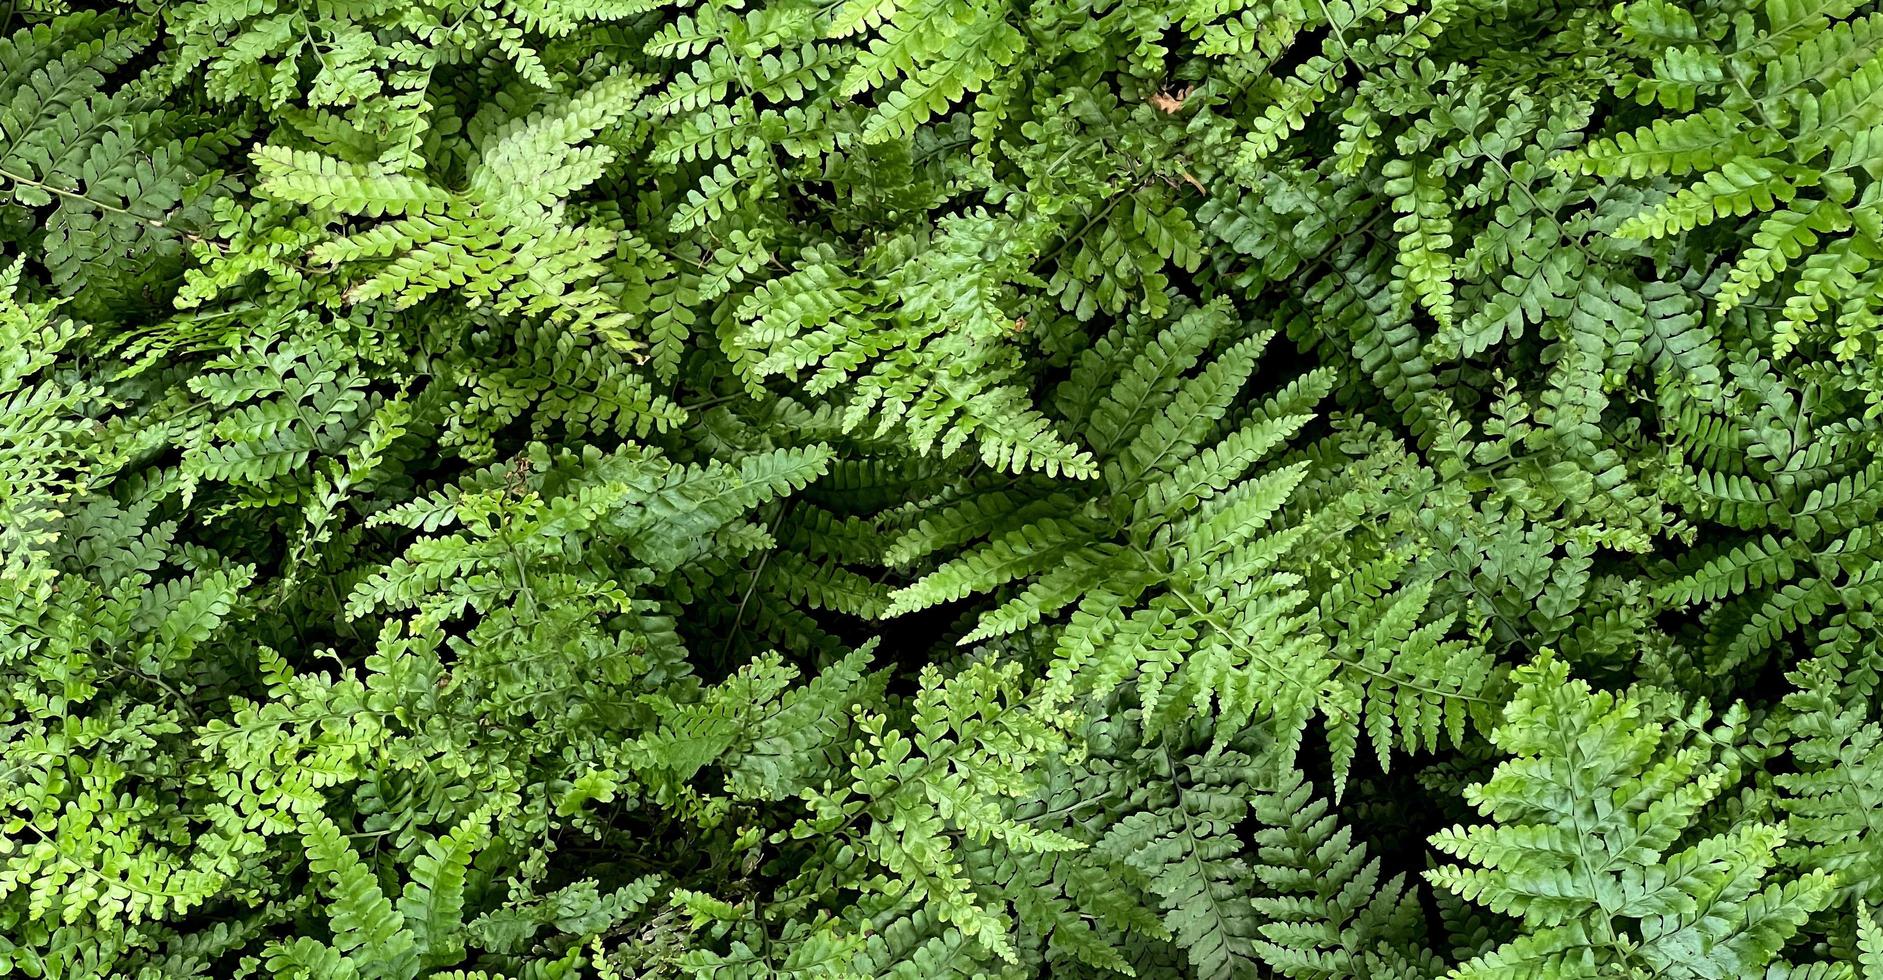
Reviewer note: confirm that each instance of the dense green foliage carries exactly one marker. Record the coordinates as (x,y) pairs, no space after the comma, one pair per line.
(1373,489)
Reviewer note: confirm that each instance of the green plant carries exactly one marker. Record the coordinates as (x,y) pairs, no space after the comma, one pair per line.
(941,488)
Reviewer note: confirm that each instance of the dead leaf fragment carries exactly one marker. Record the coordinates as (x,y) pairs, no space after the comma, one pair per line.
(1171,100)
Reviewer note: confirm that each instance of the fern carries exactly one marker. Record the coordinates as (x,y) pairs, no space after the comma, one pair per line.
(501,240)
(1185,853)
(124,177)
(1591,845)
(1831,802)
(1175,582)
(940,488)
(1328,913)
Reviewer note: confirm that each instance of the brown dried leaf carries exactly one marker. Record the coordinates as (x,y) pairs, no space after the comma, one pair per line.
(1171,101)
